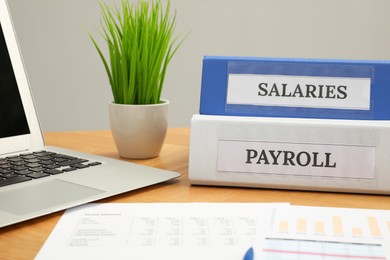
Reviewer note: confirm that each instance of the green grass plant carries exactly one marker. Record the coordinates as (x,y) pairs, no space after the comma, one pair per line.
(141,43)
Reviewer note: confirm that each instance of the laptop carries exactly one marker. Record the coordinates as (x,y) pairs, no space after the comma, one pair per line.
(35,179)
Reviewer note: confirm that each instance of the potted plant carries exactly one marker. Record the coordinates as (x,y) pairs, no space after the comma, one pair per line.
(141,44)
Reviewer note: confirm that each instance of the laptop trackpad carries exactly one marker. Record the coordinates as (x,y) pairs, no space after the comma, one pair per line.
(45,195)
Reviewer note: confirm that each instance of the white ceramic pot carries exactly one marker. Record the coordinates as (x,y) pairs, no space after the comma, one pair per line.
(139,130)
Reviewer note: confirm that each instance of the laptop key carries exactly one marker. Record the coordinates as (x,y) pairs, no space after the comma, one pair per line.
(51,166)
(45,158)
(18,168)
(6,171)
(53,171)
(94,163)
(28,157)
(47,162)
(37,175)
(59,160)
(33,165)
(80,166)
(13,180)
(9,175)
(69,169)
(35,160)
(23,172)
(5,166)
(37,169)
(43,153)
(72,162)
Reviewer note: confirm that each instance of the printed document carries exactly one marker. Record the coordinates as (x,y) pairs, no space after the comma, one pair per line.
(144,231)
(193,231)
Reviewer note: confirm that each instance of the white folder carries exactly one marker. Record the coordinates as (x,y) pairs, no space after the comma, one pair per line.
(290,153)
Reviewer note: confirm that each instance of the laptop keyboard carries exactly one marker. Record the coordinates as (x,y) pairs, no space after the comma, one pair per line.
(30,166)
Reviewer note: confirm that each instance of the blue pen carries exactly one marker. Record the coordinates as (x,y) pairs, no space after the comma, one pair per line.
(249,255)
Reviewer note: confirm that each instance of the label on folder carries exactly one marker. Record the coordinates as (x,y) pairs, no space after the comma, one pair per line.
(299,91)
(300,159)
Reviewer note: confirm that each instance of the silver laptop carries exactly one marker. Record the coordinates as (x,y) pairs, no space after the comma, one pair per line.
(36,179)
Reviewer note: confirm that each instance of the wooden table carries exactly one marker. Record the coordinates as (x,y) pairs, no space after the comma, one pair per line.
(23,241)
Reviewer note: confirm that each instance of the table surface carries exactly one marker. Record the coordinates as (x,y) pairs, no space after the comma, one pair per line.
(24,240)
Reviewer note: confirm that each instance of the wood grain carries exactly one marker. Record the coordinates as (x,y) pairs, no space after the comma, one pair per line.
(23,241)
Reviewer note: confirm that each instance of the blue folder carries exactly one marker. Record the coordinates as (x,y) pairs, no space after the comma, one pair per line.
(218,70)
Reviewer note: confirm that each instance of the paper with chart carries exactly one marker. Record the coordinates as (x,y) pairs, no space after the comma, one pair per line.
(158,231)
(327,233)
(190,231)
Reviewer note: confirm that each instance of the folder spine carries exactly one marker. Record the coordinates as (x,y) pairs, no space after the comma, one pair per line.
(289,97)
(299,154)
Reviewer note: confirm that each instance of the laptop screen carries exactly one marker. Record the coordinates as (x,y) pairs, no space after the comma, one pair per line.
(13,120)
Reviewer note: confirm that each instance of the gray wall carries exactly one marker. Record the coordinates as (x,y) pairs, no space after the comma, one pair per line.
(69,82)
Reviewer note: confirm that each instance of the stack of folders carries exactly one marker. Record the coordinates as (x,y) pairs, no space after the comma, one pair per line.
(293,124)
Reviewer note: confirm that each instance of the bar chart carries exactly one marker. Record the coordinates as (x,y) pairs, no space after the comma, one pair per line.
(337,226)
(325,222)
(302,233)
